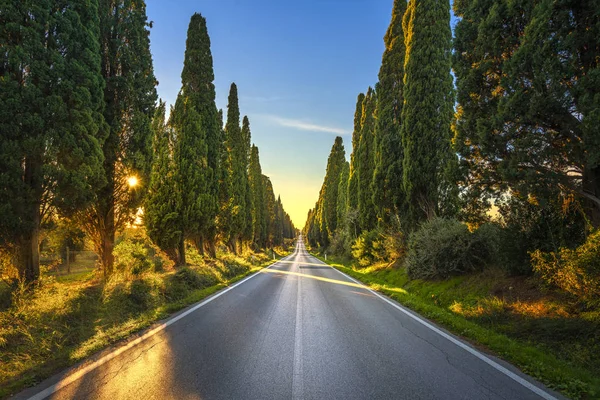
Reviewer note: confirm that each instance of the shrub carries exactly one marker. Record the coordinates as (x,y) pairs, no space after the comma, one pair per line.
(369,248)
(135,253)
(575,271)
(529,226)
(445,247)
(193,279)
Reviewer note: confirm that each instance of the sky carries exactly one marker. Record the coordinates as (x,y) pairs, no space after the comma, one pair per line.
(298,66)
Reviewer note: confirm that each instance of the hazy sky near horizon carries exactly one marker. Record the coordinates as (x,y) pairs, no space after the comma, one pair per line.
(298,66)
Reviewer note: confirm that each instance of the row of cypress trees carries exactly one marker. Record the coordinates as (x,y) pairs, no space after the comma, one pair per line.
(521,124)
(80,126)
(206,185)
(401,162)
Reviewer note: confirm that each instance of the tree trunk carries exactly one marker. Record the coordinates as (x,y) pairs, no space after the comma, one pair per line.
(233,245)
(591,185)
(107,259)
(199,244)
(27,257)
(28,252)
(181,252)
(211,248)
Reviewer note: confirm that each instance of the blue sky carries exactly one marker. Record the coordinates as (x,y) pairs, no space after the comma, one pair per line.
(298,66)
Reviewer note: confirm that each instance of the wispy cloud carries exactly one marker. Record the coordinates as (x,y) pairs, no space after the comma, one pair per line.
(262,99)
(305,126)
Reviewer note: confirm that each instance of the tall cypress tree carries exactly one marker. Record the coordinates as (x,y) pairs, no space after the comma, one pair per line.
(51,125)
(259,210)
(428,108)
(160,208)
(387,181)
(366,161)
(353,179)
(129,102)
(198,134)
(248,231)
(342,200)
(237,179)
(270,210)
(335,164)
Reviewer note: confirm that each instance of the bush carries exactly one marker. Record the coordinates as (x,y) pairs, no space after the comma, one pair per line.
(575,271)
(529,226)
(369,248)
(135,254)
(193,279)
(445,247)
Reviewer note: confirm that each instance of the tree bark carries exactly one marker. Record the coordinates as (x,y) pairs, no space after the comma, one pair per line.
(211,248)
(28,251)
(181,252)
(591,186)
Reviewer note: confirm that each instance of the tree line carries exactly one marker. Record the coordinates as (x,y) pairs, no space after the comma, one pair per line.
(499,123)
(83,138)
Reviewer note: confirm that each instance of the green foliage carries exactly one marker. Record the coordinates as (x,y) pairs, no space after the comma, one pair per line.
(366,162)
(129,103)
(135,254)
(387,180)
(353,177)
(342,201)
(577,271)
(527,75)
(160,208)
(51,126)
(369,248)
(331,184)
(427,111)
(444,247)
(259,208)
(197,134)
(529,226)
(234,212)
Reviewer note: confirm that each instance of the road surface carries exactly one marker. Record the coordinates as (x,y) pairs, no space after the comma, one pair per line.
(297,330)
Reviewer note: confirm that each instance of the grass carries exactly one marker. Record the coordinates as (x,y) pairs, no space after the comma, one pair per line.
(538,330)
(69,318)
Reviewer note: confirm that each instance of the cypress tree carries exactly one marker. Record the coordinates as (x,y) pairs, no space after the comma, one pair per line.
(235,220)
(248,232)
(197,144)
(532,126)
(259,210)
(129,102)
(365,163)
(342,200)
(387,181)
(331,182)
(270,210)
(353,180)
(160,210)
(51,124)
(428,108)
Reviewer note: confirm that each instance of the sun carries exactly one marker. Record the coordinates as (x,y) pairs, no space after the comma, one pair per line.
(132,181)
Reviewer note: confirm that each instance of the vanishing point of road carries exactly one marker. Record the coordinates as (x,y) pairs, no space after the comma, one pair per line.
(296,330)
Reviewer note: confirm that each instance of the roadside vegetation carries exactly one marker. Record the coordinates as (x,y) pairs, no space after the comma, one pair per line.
(477,203)
(71,316)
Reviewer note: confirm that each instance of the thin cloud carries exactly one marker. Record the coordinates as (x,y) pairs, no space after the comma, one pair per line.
(262,99)
(305,126)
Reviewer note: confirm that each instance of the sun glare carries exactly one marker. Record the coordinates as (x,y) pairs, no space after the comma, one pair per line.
(132,181)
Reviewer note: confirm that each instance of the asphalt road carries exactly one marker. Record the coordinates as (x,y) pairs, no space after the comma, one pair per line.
(297,330)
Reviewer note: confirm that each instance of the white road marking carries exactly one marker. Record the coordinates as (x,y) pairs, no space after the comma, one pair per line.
(298,376)
(540,392)
(89,368)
